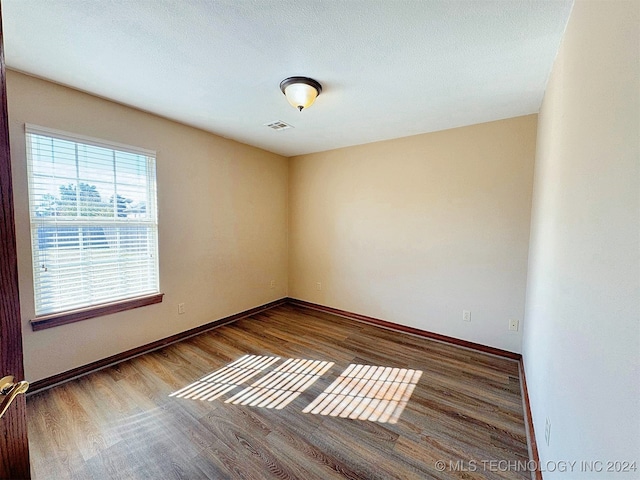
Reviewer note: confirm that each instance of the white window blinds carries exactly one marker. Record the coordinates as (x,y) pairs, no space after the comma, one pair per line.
(94,227)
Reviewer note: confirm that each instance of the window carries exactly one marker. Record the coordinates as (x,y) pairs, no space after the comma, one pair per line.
(94,227)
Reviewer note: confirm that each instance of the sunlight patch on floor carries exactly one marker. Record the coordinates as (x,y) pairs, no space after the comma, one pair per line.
(362,392)
(226,379)
(367,392)
(281,386)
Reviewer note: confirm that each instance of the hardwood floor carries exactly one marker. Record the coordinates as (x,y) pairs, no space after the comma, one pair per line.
(466,411)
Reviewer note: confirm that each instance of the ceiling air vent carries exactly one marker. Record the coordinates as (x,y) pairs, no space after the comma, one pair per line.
(278,125)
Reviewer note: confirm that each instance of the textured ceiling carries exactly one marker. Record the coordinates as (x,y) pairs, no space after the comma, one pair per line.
(389,68)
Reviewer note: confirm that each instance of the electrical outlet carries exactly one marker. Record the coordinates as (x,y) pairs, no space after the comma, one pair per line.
(272,284)
(547,431)
(466,315)
(318,286)
(180,308)
(513,325)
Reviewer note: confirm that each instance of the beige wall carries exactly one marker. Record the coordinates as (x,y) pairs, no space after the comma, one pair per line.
(222,224)
(417,229)
(582,331)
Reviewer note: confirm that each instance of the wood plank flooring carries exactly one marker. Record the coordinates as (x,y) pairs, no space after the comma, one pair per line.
(121,423)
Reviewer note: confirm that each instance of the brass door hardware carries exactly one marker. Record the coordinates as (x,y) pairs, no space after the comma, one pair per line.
(10,391)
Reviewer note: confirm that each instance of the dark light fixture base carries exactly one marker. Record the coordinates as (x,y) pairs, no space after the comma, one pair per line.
(309,81)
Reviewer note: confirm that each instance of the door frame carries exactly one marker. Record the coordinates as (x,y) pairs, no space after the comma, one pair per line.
(14,444)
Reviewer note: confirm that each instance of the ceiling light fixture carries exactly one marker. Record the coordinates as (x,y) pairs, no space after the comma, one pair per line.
(301,92)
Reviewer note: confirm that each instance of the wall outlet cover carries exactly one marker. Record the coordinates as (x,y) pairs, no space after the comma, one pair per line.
(547,431)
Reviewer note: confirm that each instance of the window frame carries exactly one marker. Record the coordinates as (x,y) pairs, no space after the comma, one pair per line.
(71,315)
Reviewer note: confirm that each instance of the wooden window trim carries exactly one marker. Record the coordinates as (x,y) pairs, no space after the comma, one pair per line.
(53,320)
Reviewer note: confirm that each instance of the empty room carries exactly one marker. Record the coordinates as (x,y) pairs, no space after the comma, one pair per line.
(295,239)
